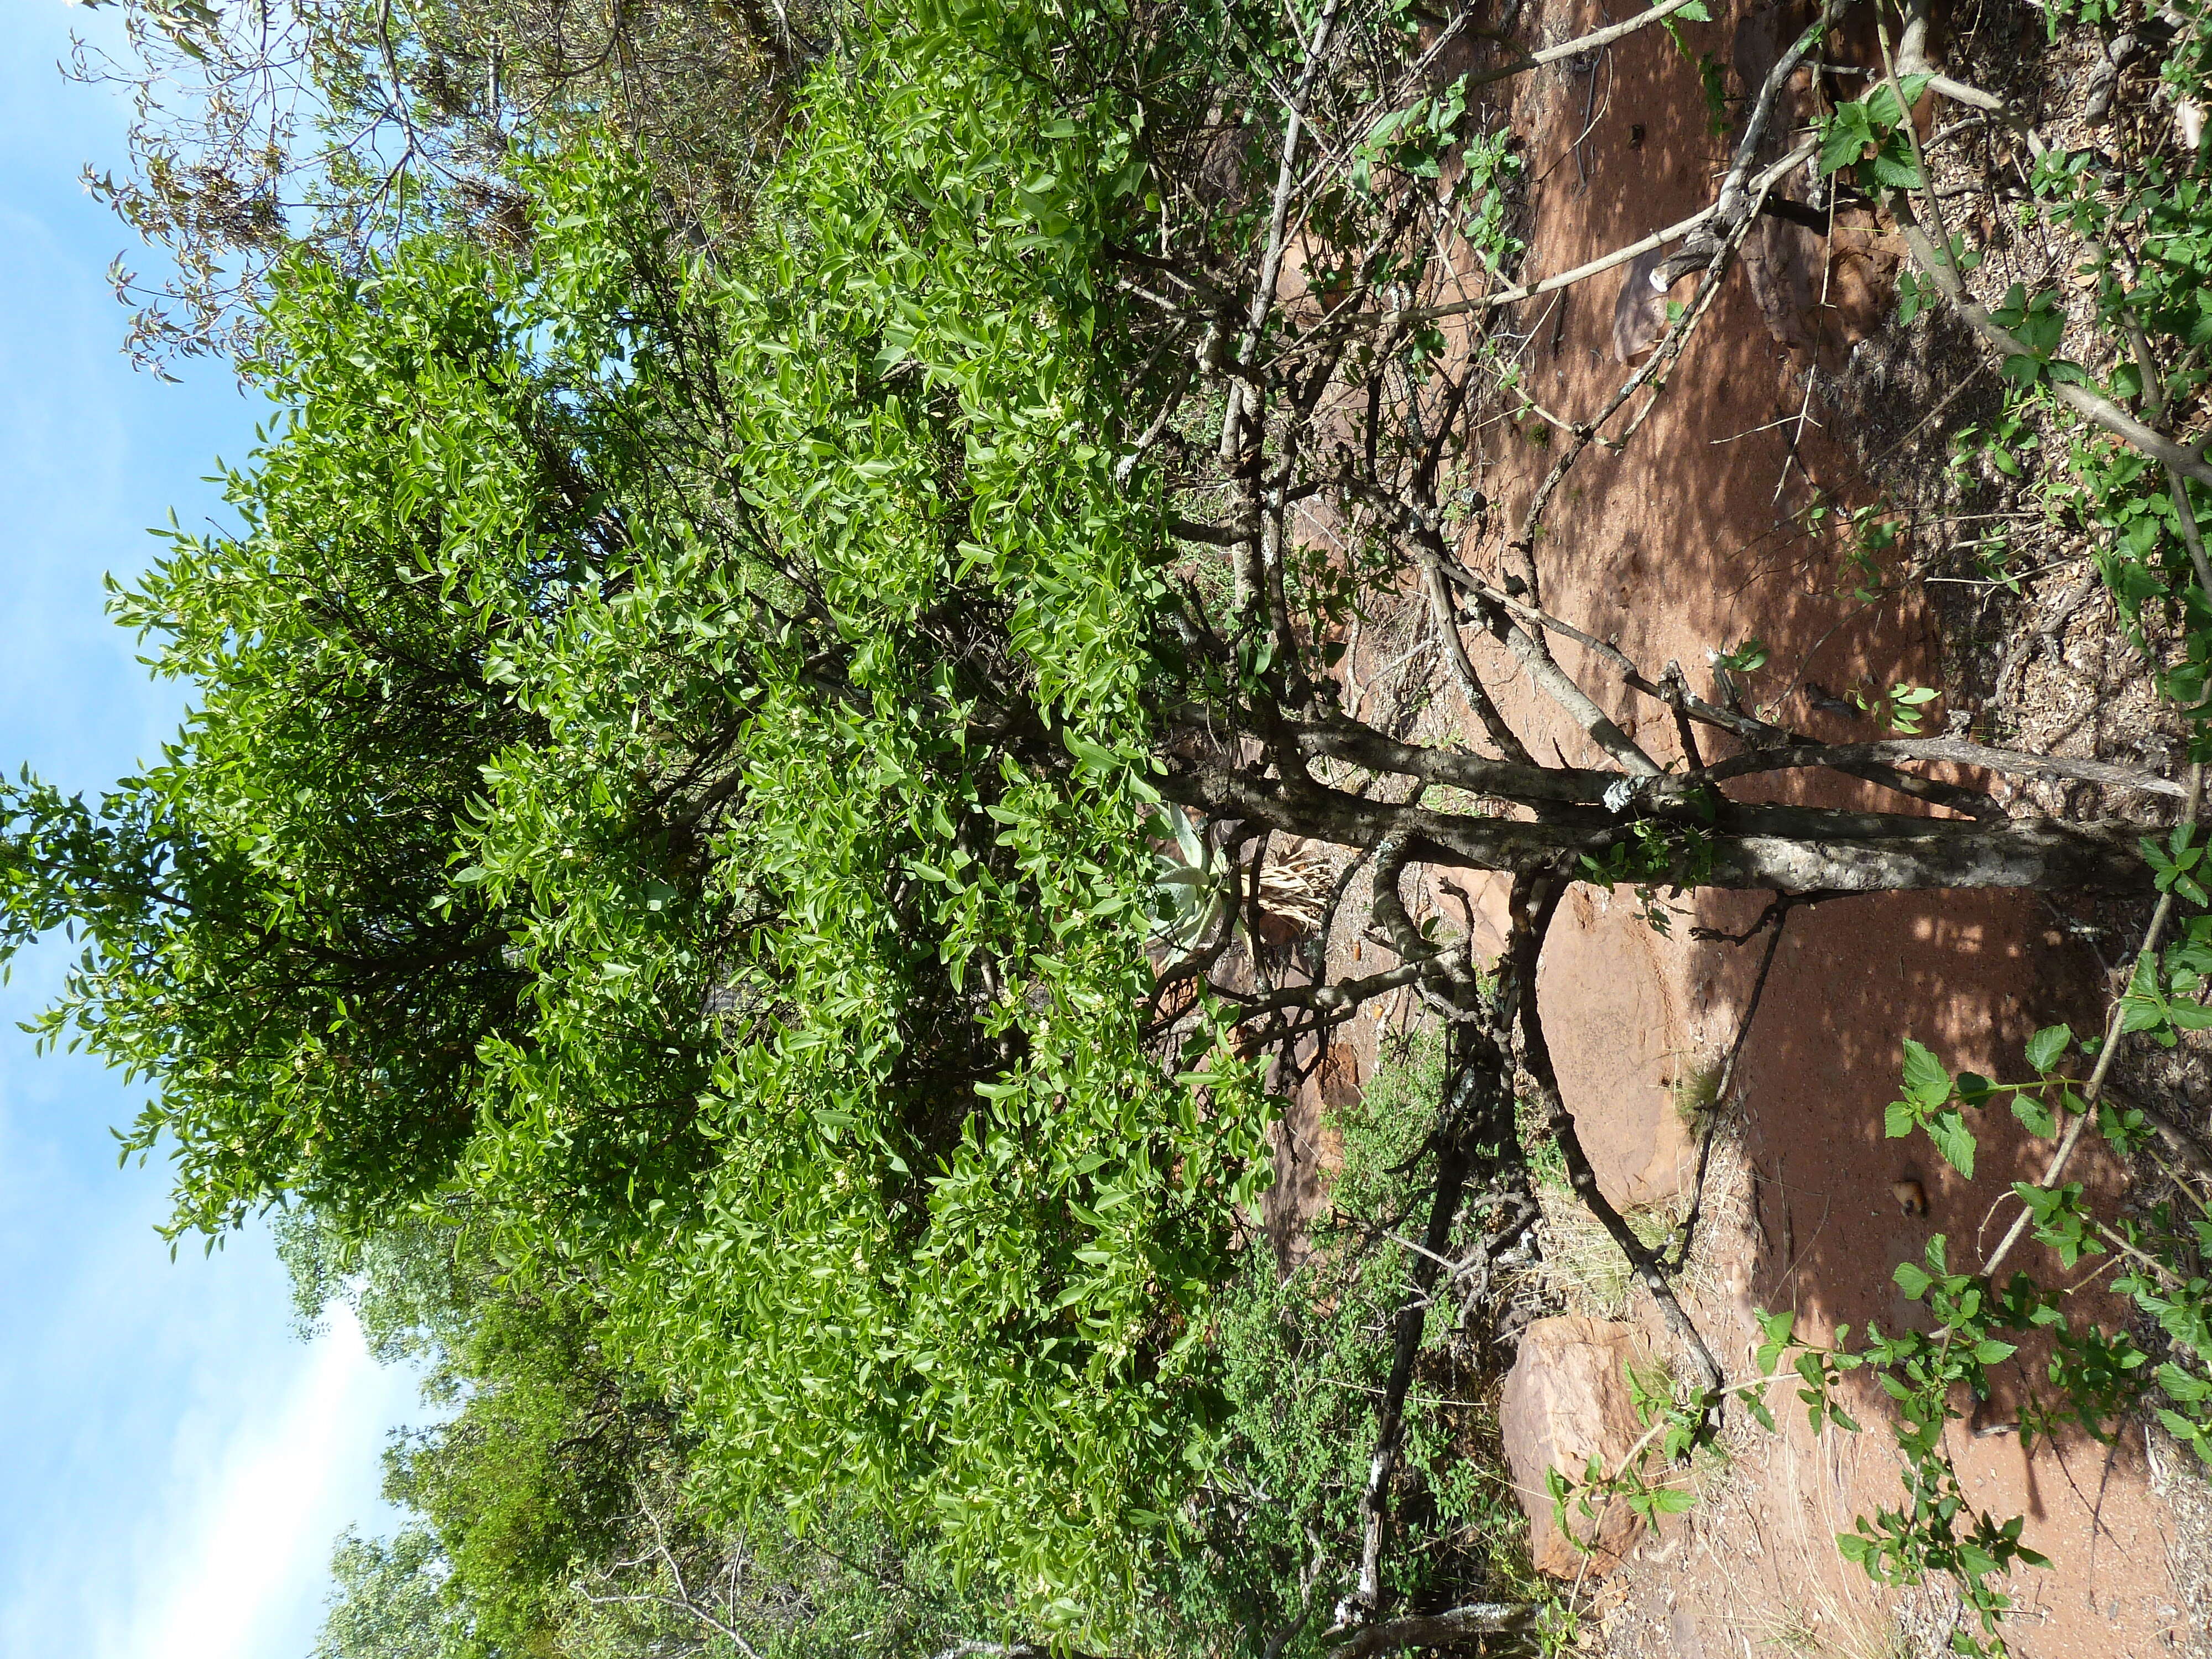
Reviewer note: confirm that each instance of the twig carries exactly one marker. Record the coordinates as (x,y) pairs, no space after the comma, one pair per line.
(1270,264)
(1581,44)
(1443,617)
(1619,256)
(1784,903)
(2105,1054)
(2100,410)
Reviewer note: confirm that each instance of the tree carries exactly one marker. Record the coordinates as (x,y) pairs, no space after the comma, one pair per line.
(390,1601)
(558,715)
(682,741)
(347,125)
(546,1502)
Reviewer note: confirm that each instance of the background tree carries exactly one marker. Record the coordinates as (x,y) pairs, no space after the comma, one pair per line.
(345,127)
(546,1501)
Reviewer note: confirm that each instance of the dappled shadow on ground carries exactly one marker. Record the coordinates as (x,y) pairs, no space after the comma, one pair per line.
(1700,534)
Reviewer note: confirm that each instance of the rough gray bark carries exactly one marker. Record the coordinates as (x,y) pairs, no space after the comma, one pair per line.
(1787,850)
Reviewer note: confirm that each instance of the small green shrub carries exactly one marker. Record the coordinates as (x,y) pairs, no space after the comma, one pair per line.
(1274,1534)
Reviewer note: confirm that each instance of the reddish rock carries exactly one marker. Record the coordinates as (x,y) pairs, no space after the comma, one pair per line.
(1339,1077)
(1566,1399)
(1622,1031)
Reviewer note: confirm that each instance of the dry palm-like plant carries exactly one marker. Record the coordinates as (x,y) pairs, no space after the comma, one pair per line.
(1294,885)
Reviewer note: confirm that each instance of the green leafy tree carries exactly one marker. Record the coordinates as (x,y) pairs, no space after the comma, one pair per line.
(668,767)
(681,736)
(391,1600)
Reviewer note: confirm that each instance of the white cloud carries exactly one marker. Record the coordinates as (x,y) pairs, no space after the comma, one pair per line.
(177,1464)
(235,1567)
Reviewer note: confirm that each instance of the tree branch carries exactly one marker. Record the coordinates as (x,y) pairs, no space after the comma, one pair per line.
(2100,410)
(2114,1030)
(1441,1630)
(1535,901)
(1959,750)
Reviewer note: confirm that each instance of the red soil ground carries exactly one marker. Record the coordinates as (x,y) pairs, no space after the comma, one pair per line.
(1686,541)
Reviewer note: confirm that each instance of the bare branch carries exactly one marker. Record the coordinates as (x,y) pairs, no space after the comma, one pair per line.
(1579,45)
(1443,617)
(2101,410)
(1620,255)
(1270,262)
(1957,750)
(1438,1630)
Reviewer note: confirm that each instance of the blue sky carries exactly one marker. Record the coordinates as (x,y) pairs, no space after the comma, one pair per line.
(175,1463)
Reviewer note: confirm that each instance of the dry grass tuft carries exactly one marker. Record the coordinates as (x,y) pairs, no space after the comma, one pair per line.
(1824,1628)
(1695,1093)
(1294,885)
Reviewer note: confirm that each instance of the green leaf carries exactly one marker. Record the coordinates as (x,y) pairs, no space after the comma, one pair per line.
(1846,134)
(1926,1083)
(2045,1047)
(1949,1130)
(1893,164)
(1883,111)
(2032,1112)
(2181,1385)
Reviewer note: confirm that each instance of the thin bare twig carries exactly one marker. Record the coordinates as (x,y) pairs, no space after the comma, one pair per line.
(2106,1055)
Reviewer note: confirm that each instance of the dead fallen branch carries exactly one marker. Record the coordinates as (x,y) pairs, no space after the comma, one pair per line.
(1440,1629)
(1957,750)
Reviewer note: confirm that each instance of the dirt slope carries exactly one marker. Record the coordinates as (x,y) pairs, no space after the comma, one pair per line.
(1693,538)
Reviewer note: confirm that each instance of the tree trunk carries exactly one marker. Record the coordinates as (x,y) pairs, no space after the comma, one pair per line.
(1785,849)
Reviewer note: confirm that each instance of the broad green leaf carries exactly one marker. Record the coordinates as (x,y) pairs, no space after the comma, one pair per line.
(1926,1083)
(2046,1048)
(1949,1130)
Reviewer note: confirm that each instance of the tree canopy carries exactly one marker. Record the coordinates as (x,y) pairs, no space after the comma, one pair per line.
(668,767)
(690,729)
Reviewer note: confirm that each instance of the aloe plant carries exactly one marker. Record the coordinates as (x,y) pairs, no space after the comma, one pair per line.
(1191,890)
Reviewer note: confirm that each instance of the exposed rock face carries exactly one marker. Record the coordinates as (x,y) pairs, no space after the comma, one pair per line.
(1626,1021)
(1566,1399)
